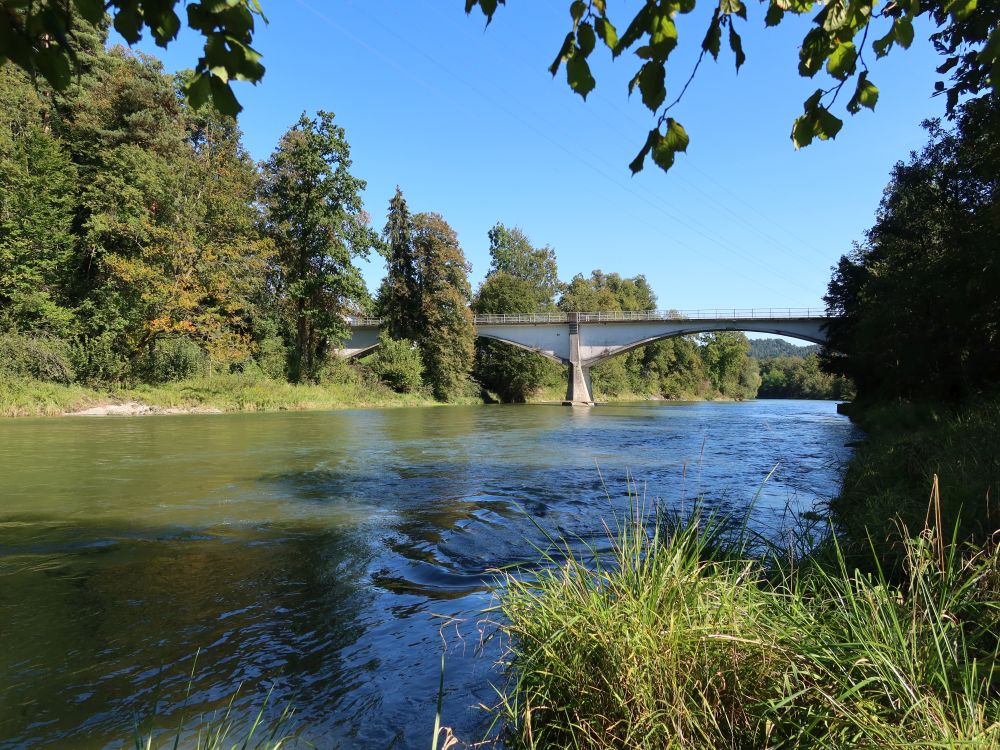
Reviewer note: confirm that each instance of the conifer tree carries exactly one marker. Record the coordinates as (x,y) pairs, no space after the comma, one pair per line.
(399,296)
(447,338)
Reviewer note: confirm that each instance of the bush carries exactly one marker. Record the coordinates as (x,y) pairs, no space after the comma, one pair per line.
(272,357)
(97,359)
(397,364)
(172,358)
(39,357)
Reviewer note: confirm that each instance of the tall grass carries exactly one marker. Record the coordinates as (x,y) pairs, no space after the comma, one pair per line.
(218,731)
(682,637)
(26,397)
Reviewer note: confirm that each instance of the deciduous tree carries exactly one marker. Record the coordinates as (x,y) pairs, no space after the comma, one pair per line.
(314,214)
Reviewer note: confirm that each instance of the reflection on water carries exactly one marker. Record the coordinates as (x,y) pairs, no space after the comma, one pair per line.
(312,553)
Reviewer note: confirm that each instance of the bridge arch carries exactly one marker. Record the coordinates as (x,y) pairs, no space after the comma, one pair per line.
(692,330)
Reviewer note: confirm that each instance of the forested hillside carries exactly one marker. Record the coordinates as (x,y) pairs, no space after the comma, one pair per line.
(768,348)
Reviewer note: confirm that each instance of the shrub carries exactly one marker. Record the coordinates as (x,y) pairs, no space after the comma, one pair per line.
(98,359)
(272,357)
(397,364)
(172,358)
(40,357)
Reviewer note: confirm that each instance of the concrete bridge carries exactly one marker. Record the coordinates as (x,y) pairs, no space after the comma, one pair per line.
(581,340)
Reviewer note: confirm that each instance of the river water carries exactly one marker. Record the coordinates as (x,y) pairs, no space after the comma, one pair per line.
(331,557)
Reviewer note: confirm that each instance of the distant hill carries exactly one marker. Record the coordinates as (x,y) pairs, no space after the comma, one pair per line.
(769,348)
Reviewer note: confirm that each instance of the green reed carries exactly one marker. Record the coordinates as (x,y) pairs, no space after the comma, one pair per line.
(684,636)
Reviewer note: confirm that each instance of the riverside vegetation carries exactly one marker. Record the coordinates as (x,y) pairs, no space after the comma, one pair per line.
(145,256)
(879,631)
(168,254)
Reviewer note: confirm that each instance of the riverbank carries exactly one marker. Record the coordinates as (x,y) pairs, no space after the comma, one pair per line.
(218,393)
(25,397)
(916,451)
(684,638)
(689,641)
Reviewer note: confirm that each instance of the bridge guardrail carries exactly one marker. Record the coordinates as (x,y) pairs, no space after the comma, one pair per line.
(757,313)
(732,313)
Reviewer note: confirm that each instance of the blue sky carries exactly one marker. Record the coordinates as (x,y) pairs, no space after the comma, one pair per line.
(468,121)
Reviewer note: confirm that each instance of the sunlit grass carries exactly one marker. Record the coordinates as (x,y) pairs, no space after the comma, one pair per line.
(21,397)
(26,398)
(682,637)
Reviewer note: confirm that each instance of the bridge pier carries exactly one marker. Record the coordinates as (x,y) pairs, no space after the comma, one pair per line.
(580,392)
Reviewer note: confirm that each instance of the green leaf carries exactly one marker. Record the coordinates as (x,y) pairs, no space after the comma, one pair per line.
(53,63)
(774,14)
(652,84)
(586,39)
(733,7)
(564,52)
(636,28)
(651,140)
(91,10)
(813,101)
(713,38)
(802,131)
(736,45)
(607,32)
(816,46)
(127,23)
(663,37)
(961,9)
(578,74)
(842,61)
(576,9)
(883,45)
(223,97)
(865,95)
(903,30)
(827,124)
(197,90)
(666,148)
(676,137)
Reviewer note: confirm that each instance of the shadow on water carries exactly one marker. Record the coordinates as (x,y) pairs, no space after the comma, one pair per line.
(320,554)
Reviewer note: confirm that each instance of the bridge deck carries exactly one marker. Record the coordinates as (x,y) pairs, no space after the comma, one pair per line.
(726,314)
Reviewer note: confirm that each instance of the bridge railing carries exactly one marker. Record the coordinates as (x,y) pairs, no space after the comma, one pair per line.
(756,313)
(719,313)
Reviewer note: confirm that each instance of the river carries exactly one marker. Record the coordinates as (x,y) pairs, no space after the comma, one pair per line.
(329,557)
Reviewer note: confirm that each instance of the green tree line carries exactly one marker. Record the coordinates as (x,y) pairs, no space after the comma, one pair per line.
(140,243)
(918,300)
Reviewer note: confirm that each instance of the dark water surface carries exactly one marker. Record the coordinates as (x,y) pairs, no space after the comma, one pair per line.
(309,553)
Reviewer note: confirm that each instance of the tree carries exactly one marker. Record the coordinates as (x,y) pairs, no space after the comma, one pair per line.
(511,252)
(728,364)
(447,339)
(917,305)
(42,37)
(800,377)
(314,214)
(37,203)
(399,296)
(39,36)
(397,363)
(967,35)
(521,279)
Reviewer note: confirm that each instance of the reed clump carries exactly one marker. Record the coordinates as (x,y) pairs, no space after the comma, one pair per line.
(683,638)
